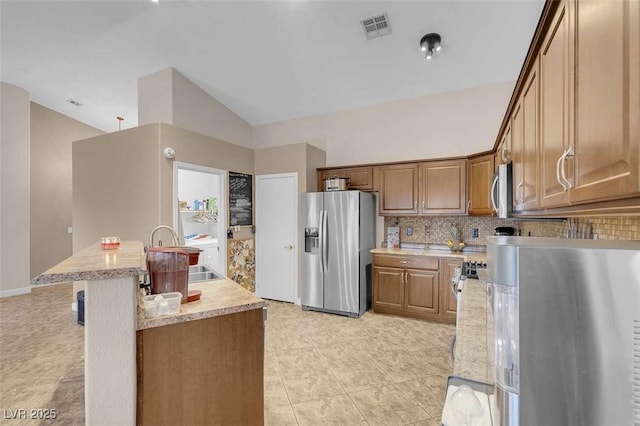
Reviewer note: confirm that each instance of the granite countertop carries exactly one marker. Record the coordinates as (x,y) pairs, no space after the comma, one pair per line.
(471,350)
(465,256)
(219,297)
(93,263)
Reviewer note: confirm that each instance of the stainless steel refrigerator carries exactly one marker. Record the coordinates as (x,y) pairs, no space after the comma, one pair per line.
(339,233)
(567,331)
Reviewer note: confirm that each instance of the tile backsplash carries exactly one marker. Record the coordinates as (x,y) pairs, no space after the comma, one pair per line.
(436,229)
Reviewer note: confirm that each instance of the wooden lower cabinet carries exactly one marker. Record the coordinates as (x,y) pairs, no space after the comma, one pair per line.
(202,372)
(421,291)
(413,286)
(389,291)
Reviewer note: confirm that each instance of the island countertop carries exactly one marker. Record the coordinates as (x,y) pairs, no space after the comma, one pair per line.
(219,297)
(93,263)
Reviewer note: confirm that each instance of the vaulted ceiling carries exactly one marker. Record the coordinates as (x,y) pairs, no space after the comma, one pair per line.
(265,60)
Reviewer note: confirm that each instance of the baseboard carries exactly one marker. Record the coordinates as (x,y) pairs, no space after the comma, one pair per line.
(74,306)
(15,292)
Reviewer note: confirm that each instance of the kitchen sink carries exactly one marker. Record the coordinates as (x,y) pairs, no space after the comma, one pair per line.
(202,273)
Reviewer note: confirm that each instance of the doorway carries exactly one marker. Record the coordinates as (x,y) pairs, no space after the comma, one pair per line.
(200,208)
(277,236)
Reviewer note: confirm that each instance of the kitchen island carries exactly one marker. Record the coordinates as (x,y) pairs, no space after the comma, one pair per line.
(120,345)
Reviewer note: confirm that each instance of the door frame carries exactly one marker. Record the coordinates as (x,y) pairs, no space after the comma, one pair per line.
(296,233)
(222,209)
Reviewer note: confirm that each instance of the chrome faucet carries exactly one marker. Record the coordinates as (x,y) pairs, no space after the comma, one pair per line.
(168,228)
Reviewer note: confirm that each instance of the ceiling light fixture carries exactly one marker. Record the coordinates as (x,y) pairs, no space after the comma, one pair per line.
(430,43)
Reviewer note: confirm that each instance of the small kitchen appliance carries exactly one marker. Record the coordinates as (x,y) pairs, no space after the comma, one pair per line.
(339,234)
(168,268)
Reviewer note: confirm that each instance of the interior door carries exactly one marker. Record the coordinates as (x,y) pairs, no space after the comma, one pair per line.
(277,236)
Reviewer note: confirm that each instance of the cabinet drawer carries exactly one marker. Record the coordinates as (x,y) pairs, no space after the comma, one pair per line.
(417,262)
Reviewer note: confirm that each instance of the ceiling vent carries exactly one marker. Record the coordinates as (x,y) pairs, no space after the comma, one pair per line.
(376,26)
(74,102)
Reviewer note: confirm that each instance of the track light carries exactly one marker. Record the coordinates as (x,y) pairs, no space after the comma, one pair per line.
(430,43)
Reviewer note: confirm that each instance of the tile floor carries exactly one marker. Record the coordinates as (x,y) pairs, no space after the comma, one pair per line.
(320,369)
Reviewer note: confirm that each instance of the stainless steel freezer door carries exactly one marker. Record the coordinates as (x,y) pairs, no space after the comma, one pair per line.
(341,284)
(312,276)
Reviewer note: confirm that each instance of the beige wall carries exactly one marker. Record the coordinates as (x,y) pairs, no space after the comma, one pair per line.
(441,125)
(155,98)
(116,186)
(52,134)
(123,185)
(316,158)
(14,190)
(168,97)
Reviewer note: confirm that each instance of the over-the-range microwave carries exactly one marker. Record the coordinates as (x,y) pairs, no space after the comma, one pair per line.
(502,191)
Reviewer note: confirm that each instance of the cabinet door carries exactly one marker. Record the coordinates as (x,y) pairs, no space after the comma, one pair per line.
(388,287)
(555,92)
(443,187)
(360,178)
(607,100)
(448,302)
(421,291)
(524,126)
(481,170)
(503,154)
(399,189)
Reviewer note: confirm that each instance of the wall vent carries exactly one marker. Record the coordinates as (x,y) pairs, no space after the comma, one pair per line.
(376,26)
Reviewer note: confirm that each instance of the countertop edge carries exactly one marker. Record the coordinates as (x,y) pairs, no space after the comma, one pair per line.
(145,324)
(429,253)
(63,277)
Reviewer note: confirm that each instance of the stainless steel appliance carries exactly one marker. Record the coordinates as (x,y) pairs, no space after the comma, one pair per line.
(470,269)
(567,331)
(339,233)
(502,191)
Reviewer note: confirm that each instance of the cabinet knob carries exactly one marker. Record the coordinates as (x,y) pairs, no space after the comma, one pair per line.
(404,261)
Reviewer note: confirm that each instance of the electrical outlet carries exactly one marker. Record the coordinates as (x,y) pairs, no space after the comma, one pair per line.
(409,231)
(475,233)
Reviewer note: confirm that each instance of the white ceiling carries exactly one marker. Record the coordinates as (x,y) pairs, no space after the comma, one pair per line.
(265,60)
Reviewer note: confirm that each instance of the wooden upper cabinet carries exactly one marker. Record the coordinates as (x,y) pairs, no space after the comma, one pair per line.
(524,140)
(481,170)
(607,101)
(443,187)
(360,178)
(399,189)
(555,118)
(503,154)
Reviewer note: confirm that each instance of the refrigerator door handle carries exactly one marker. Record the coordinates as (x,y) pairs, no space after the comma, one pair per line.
(325,246)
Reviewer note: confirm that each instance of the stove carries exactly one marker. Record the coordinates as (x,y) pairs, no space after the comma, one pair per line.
(470,269)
